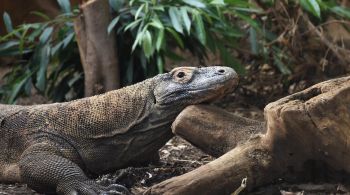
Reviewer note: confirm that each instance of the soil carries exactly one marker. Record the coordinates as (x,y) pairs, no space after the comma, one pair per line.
(260,86)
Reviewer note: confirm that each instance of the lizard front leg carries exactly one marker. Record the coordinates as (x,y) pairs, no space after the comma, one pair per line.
(43,168)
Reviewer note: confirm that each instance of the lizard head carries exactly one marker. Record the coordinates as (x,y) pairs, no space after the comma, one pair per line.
(191,85)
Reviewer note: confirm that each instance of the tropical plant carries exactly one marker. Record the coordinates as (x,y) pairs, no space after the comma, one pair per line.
(155,28)
(46,58)
(147,32)
(321,7)
(277,31)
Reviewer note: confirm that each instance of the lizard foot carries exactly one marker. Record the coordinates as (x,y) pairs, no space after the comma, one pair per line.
(91,188)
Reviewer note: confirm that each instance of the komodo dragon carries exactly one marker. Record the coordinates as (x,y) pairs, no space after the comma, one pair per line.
(49,147)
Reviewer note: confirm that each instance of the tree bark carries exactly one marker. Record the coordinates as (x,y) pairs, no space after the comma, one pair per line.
(98,51)
(305,129)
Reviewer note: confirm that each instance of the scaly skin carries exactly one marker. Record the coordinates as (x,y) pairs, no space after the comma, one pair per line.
(51,147)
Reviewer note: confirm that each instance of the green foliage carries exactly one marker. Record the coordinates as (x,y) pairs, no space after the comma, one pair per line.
(319,7)
(311,6)
(147,32)
(155,28)
(46,56)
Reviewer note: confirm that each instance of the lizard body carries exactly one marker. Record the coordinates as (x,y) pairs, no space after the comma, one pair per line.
(51,147)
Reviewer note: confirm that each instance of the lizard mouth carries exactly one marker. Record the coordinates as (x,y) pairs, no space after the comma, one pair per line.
(217,91)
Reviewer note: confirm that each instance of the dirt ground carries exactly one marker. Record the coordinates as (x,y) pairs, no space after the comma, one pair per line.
(178,156)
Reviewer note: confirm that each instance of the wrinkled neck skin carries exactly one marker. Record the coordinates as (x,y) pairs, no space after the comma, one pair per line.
(127,111)
(136,139)
(153,119)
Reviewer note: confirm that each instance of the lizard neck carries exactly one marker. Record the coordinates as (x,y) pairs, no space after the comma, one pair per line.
(124,108)
(106,115)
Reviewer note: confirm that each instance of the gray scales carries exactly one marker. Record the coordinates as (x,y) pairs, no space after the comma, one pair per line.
(51,147)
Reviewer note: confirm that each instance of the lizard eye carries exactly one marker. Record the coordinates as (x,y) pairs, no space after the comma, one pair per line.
(180,74)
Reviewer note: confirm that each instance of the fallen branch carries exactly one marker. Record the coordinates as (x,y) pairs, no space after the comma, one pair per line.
(213,130)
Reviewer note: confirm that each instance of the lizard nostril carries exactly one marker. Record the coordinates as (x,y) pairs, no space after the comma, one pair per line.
(221,71)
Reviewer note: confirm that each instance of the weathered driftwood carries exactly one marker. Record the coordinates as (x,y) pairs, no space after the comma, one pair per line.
(215,130)
(98,51)
(307,137)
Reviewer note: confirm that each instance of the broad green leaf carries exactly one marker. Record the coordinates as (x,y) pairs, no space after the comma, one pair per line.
(218,2)
(157,23)
(64,5)
(137,41)
(7,22)
(20,82)
(195,3)
(147,44)
(175,19)
(139,11)
(45,35)
(176,37)
(112,24)
(56,48)
(75,78)
(239,3)
(27,88)
(160,39)
(280,65)
(32,26)
(311,6)
(68,39)
(132,25)
(227,30)
(160,64)
(247,19)
(341,11)
(249,10)
(131,3)
(44,56)
(34,35)
(116,4)
(201,34)
(158,8)
(254,46)
(7,45)
(186,19)
(40,14)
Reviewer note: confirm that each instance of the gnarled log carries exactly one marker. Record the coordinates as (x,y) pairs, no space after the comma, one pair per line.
(214,130)
(312,126)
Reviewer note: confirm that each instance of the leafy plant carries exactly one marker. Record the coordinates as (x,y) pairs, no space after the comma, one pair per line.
(46,56)
(275,32)
(319,7)
(147,33)
(155,28)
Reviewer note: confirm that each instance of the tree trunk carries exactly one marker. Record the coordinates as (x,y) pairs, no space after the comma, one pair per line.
(98,51)
(306,139)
